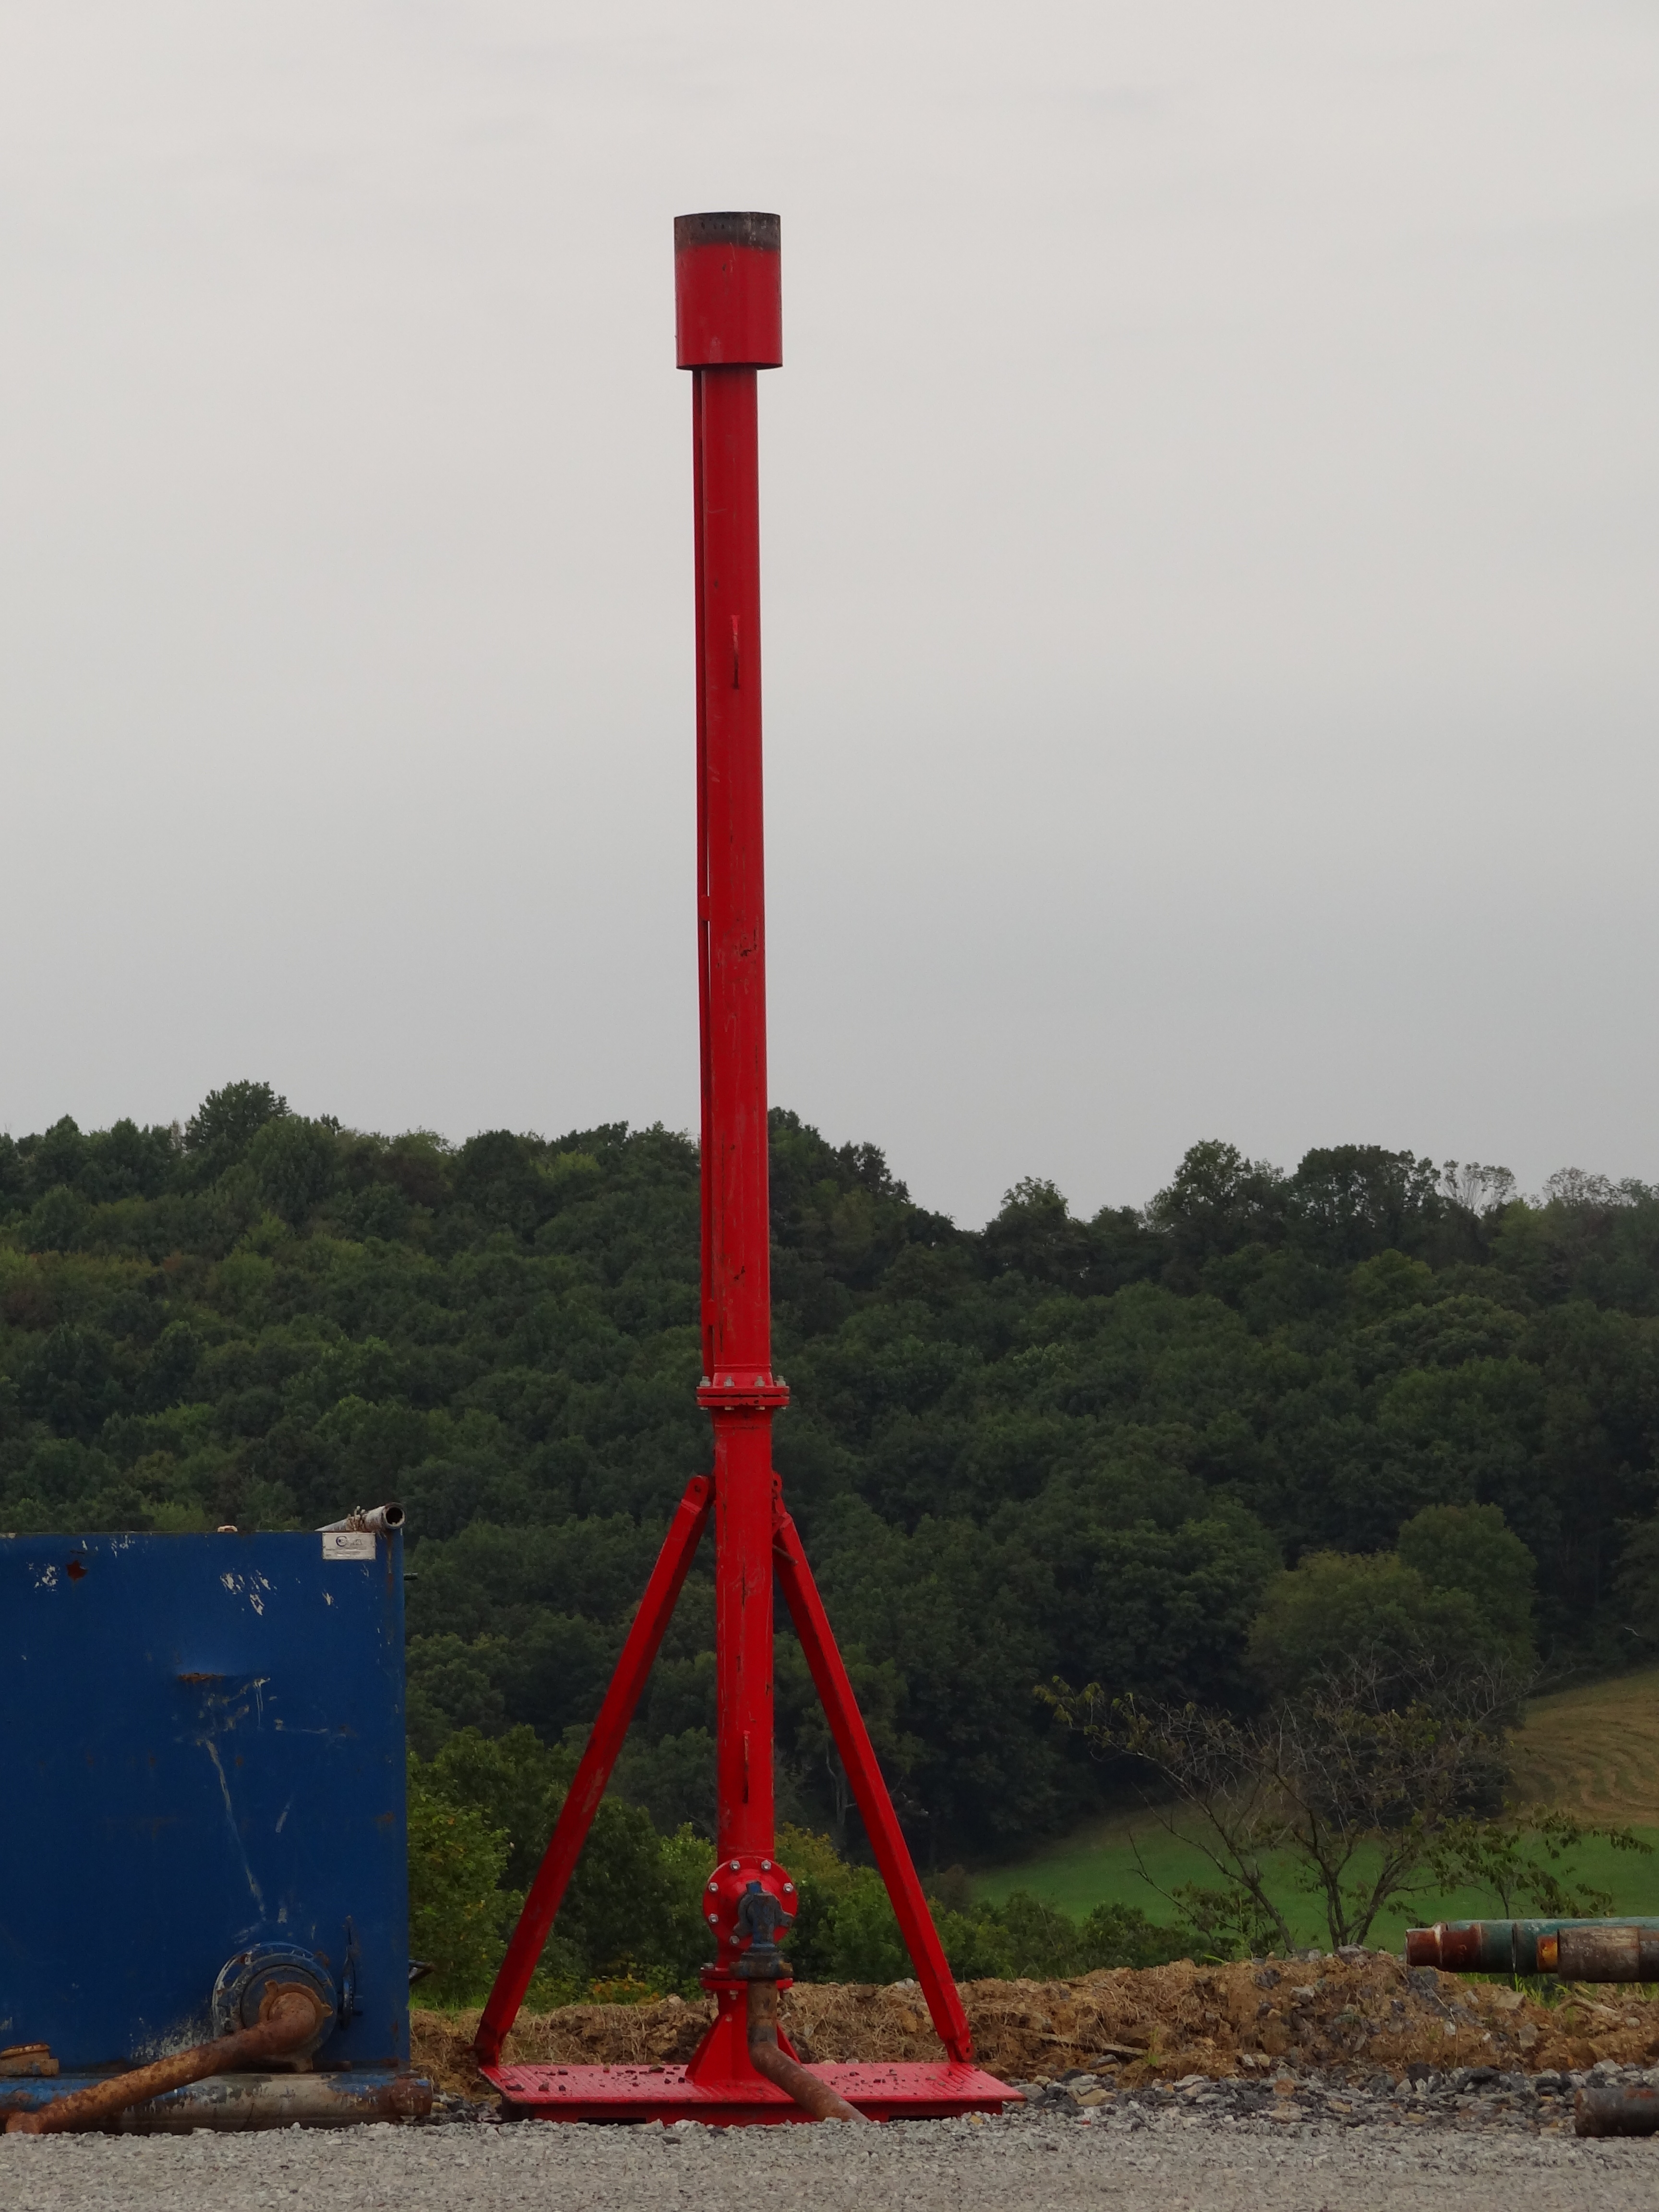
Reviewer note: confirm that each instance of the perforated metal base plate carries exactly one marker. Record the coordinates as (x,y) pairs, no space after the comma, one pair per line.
(935,2091)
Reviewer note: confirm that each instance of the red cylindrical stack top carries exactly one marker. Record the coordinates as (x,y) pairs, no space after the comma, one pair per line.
(728,297)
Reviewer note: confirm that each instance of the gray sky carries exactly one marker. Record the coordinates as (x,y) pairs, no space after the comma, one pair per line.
(1210,514)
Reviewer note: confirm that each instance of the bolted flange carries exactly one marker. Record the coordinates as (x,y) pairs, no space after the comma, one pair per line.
(248,1979)
(748,1902)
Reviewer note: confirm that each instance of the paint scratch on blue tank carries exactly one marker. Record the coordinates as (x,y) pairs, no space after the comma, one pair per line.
(212,1751)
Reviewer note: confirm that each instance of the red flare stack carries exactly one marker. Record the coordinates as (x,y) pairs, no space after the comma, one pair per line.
(730,327)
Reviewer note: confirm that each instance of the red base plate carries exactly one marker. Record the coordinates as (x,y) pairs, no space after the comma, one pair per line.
(929,2091)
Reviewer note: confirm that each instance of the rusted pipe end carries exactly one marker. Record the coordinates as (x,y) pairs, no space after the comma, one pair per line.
(373,1520)
(810,2091)
(290,2013)
(1616,2109)
(1455,1948)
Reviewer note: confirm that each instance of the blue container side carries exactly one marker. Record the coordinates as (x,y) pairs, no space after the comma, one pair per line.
(201,1739)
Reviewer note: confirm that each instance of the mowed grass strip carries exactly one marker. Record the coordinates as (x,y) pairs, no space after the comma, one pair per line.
(1594,1752)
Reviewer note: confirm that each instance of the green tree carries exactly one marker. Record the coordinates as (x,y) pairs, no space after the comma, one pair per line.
(459,1914)
(219,1132)
(1636,1582)
(1322,1616)
(1217,1202)
(632,1907)
(1361,1794)
(294,1164)
(1346,1202)
(1471,1548)
(1525,1862)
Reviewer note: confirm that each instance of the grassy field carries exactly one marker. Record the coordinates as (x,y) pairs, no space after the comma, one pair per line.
(1595,1752)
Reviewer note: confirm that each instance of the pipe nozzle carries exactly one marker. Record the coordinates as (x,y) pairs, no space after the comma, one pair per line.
(365,1520)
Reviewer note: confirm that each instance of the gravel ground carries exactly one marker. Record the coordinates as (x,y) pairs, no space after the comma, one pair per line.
(1482,2145)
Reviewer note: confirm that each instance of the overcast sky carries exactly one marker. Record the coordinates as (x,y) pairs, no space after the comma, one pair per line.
(1211,515)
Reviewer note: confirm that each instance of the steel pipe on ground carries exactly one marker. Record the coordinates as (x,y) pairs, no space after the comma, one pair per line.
(810,2091)
(1578,1950)
(232,2104)
(288,2018)
(1616,2108)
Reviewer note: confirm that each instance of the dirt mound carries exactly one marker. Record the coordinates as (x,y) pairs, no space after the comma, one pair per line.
(1158,2023)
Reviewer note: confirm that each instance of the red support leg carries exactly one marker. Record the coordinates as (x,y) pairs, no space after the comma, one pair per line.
(857,1756)
(638,1655)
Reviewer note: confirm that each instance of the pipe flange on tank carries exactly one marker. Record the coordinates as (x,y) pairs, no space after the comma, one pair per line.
(245,1981)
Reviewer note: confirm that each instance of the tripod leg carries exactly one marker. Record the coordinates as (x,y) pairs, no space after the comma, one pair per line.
(577,1814)
(881,1824)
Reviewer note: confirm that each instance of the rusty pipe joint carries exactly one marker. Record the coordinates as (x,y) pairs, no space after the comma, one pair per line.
(1613,1951)
(810,2091)
(1578,1950)
(291,2014)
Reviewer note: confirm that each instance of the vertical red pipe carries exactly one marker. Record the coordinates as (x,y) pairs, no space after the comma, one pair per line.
(737,1268)
(727,295)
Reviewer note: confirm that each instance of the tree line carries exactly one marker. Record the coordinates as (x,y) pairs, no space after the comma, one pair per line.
(1101,1451)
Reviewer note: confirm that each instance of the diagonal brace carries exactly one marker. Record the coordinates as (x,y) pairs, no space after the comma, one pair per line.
(638,1656)
(857,1756)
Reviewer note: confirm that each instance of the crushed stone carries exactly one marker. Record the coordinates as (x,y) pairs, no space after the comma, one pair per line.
(1169,2151)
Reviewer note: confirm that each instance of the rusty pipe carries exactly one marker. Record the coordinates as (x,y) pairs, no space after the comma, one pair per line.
(810,2091)
(289,2015)
(1610,1952)
(1617,2108)
(1578,1950)
(226,2103)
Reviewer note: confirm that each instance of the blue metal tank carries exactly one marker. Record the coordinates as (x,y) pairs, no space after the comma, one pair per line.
(202,1747)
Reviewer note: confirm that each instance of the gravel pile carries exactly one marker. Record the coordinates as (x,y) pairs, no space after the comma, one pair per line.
(1466,2097)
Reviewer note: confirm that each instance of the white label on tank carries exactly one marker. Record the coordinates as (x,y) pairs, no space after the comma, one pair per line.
(348,1543)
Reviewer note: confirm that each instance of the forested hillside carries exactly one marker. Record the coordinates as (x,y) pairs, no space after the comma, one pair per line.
(1051,1446)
